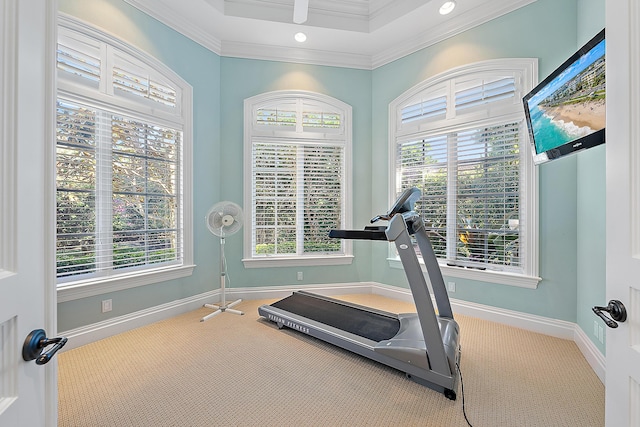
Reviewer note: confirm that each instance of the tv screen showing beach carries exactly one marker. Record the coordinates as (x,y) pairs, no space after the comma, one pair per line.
(566,110)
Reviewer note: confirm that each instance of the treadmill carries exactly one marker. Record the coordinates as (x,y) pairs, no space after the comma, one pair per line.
(423,345)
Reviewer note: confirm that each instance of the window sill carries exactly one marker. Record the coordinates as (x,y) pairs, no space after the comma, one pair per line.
(99,286)
(297,261)
(490,276)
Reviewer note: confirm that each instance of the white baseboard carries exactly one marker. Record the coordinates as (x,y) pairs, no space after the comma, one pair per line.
(269,292)
(556,328)
(97,331)
(530,322)
(590,352)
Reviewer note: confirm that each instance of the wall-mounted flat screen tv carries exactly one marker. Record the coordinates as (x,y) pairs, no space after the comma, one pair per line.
(566,112)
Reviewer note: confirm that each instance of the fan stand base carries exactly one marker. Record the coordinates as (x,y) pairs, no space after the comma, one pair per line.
(222,309)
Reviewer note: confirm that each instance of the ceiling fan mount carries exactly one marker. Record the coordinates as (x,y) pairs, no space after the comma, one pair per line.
(300,11)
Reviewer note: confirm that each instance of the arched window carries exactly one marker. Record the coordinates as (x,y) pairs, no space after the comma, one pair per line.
(298,156)
(461,138)
(123,127)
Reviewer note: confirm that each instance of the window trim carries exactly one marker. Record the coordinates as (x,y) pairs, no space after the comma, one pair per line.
(526,71)
(252,132)
(72,290)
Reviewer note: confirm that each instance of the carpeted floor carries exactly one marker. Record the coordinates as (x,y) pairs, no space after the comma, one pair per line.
(243,371)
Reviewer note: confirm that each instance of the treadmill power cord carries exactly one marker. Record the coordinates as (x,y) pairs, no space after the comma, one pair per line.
(464,411)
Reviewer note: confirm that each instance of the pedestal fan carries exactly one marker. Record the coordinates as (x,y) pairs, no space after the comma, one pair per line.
(223,219)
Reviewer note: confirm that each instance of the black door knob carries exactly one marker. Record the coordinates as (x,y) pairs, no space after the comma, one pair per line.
(37,341)
(617,311)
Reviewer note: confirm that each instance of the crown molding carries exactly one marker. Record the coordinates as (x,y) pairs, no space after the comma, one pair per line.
(296,55)
(446,30)
(235,49)
(160,12)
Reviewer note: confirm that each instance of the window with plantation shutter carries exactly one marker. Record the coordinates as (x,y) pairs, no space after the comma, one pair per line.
(276,117)
(78,63)
(425,109)
(297,151)
(143,86)
(79,57)
(478,185)
(484,91)
(123,141)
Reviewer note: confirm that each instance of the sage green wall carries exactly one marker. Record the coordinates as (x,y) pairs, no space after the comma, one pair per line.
(546,30)
(201,69)
(591,197)
(244,78)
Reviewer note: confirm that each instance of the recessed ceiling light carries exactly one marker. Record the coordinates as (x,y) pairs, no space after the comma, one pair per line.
(300,37)
(447,7)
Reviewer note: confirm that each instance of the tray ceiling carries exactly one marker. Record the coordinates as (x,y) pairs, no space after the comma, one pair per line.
(349,33)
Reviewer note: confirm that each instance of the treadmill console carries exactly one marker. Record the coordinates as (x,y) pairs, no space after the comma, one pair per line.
(404,203)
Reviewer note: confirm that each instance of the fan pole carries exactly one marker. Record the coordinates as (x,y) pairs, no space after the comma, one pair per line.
(223,306)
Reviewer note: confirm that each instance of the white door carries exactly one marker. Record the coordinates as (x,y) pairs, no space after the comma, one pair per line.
(27,390)
(623,210)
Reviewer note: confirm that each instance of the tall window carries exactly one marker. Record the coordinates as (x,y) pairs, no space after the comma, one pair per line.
(123,140)
(297,152)
(461,138)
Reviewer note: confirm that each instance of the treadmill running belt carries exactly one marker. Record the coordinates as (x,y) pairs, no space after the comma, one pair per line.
(373,326)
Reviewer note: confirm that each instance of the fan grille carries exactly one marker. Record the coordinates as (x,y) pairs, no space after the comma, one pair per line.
(224,218)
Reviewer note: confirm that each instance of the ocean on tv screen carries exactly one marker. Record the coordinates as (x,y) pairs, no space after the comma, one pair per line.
(572,105)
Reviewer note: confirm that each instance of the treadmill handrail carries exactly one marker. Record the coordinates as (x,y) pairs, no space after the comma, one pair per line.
(375,233)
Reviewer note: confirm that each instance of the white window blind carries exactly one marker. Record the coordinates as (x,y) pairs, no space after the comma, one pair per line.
(487,196)
(423,163)
(120,187)
(297,195)
(117,192)
(145,207)
(470,201)
(298,176)
(76,226)
(477,184)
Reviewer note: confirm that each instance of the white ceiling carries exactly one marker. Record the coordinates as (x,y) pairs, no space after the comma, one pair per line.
(348,33)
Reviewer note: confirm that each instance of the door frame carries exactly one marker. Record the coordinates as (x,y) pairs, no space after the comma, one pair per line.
(50,291)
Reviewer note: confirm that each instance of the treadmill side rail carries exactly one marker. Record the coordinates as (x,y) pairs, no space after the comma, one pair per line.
(433,270)
(397,232)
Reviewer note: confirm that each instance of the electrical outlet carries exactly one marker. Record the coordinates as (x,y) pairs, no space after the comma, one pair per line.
(107,305)
(601,334)
(595,328)
(451,286)
(300,275)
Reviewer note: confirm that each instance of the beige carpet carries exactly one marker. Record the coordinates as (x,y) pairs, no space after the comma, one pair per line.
(243,371)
